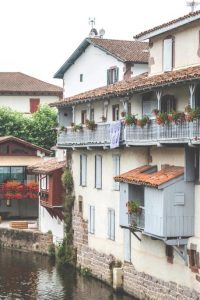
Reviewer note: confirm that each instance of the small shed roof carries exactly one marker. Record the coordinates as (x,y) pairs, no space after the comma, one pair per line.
(140,176)
(47,166)
(10,138)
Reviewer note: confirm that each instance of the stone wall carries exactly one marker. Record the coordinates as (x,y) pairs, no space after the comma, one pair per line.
(144,286)
(138,284)
(99,263)
(25,240)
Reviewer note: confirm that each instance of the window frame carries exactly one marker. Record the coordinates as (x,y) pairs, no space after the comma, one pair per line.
(112,75)
(98,185)
(116,170)
(111,224)
(91,219)
(83,157)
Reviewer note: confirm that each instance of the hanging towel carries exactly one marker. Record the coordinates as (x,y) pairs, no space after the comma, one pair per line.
(115,128)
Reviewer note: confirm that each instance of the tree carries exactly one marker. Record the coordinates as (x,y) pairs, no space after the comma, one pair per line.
(37,128)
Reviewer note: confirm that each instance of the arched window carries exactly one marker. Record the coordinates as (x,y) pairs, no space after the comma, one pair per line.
(168,103)
(168,53)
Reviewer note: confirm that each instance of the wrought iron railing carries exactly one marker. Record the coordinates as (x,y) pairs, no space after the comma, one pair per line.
(181,132)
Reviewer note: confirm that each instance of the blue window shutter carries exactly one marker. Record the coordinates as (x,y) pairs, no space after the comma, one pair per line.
(81,170)
(167,54)
(91,219)
(108,76)
(116,74)
(127,245)
(111,224)
(98,171)
(116,171)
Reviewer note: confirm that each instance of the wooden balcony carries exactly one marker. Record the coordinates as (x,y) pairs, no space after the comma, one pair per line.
(151,134)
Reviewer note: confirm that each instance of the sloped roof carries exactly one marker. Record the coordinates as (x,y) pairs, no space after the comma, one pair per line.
(11,138)
(135,84)
(19,83)
(139,177)
(123,50)
(168,25)
(47,166)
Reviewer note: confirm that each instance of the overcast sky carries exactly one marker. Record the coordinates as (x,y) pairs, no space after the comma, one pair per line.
(37,36)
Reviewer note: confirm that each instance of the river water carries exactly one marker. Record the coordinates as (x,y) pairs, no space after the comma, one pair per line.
(27,276)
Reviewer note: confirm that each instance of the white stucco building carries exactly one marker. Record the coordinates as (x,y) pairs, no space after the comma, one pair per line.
(24,93)
(156,164)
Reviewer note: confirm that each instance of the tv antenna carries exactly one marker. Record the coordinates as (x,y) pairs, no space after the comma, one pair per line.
(92,22)
(192,4)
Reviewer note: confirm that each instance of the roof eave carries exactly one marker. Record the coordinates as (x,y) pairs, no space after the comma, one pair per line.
(167,28)
(70,61)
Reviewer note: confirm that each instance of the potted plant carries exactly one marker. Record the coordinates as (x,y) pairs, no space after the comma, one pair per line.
(130,119)
(134,207)
(91,125)
(155,112)
(162,118)
(123,113)
(103,118)
(143,121)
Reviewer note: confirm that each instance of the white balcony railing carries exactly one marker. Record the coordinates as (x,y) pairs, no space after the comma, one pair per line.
(183,132)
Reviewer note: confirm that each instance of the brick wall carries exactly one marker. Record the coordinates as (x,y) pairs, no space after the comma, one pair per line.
(25,240)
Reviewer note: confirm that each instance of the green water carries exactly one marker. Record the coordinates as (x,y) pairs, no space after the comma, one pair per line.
(26,276)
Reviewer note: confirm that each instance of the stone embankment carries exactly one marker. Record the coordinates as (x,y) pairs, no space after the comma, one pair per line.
(25,240)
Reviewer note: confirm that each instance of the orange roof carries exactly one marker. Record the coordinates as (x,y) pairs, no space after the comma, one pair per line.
(140,177)
(135,84)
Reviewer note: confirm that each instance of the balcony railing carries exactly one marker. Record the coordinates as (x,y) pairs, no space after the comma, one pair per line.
(182,132)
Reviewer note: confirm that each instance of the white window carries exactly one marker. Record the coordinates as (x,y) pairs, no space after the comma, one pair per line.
(111,224)
(44,182)
(91,219)
(83,170)
(167,54)
(98,172)
(116,171)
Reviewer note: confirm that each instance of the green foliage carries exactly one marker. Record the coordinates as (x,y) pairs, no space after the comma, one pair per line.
(133,207)
(67,180)
(51,250)
(86,272)
(36,129)
(130,119)
(66,253)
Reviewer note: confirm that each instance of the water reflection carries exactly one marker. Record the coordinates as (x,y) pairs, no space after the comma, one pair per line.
(24,276)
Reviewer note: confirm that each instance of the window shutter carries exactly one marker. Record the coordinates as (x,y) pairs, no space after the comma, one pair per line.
(108,76)
(116,74)
(92,222)
(112,227)
(34,103)
(109,224)
(83,170)
(116,171)
(98,171)
(167,55)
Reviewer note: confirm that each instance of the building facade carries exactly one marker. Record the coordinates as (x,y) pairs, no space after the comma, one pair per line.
(136,171)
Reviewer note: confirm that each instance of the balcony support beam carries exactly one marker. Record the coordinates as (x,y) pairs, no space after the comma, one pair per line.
(73,114)
(192,88)
(159,95)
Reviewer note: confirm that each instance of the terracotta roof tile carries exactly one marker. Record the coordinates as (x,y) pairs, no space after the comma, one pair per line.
(139,177)
(167,24)
(19,83)
(7,138)
(47,166)
(125,50)
(135,84)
